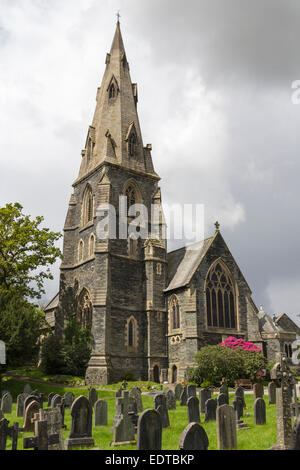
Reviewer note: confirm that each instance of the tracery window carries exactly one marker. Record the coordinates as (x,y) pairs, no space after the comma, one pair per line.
(220,298)
(87,206)
(174,313)
(131,329)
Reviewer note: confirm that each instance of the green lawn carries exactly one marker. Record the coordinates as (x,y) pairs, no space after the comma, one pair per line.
(254,438)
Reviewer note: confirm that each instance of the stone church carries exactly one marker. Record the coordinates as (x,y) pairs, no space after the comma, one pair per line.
(149,310)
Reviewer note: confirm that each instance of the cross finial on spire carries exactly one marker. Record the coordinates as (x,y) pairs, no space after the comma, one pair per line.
(118,15)
(217,225)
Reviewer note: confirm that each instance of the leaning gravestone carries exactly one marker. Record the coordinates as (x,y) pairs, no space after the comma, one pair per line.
(32,409)
(226,428)
(171,400)
(204,395)
(193,410)
(81,428)
(193,438)
(272,393)
(136,394)
(6,403)
(69,398)
(177,391)
(160,405)
(210,410)
(123,430)
(93,396)
(20,404)
(53,418)
(149,431)
(258,390)
(191,391)
(183,397)
(259,411)
(100,413)
(222,399)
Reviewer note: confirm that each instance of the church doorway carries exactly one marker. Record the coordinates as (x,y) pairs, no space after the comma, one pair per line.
(174,375)
(156,374)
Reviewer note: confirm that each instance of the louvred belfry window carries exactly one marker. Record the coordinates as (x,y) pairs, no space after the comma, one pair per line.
(220,298)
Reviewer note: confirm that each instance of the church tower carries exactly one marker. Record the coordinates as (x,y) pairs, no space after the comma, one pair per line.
(114,284)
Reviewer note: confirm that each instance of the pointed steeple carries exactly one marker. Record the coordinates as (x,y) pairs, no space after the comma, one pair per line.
(115,134)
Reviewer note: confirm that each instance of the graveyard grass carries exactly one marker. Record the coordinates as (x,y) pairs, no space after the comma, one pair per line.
(255,438)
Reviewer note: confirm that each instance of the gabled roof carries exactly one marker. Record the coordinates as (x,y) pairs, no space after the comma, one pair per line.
(286,323)
(182,263)
(53,303)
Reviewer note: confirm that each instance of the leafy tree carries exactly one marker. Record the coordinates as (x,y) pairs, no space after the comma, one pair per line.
(21,325)
(52,357)
(25,247)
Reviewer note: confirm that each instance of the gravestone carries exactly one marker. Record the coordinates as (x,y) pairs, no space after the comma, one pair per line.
(204,395)
(133,412)
(27,389)
(193,410)
(183,397)
(28,400)
(171,400)
(136,394)
(272,393)
(222,399)
(191,391)
(295,436)
(283,378)
(32,409)
(54,424)
(1,414)
(237,404)
(56,401)
(149,431)
(226,428)
(123,430)
(160,404)
(210,410)
(69,398)
(258,390)
(259,411)
(239,392)
(13,432)
(93,396)
(81,427)
(193,437)
(20,404)
(50,396)
(177,391)
(100,413)
(41,439)
(6,403)
(3,433)
(224,389)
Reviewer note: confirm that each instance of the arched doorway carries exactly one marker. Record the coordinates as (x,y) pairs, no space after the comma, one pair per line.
(156,374)
(174,374)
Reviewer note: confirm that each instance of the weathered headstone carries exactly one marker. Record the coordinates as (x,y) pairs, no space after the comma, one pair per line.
(50,396)
(222,399)
(3,433)
(6,403)
(224,389)
(32,409)
(204,395)
(100,413)
(193,437)
(226,428)
(20,404)
(283,378)
(123,430)
(191,391)
(160,404)
(69,398)
(28,400)
(237,404)
(81,428)
(210,410)
(193,410)
(27,389)
(136,394)
(149,431)
(258,390)
(239,392)
(272,393)
(177,391)
(259,411)
(41,439)
(93,396)
(133,412)
(171,400)
(54,424)
(183,397)
(56,401)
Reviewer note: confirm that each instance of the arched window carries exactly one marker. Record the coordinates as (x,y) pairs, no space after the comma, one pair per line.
(132,145)
(87,206)
(131,334)
(91,245)
(220,298)
(174,313)
(85,309)
(130,193)
(80,251)
(112,91)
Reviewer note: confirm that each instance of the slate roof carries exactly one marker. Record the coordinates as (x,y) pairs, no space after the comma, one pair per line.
(182,263)
(52,304)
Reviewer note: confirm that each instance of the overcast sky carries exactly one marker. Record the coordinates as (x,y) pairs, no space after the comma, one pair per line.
(215,100)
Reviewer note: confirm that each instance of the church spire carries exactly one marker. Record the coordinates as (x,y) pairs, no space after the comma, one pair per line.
(115,135)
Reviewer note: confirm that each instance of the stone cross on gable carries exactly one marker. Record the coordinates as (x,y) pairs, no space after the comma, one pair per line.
(283,378)
(41,440)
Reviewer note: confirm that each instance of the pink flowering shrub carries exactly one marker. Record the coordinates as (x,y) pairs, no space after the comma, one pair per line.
(239,343)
